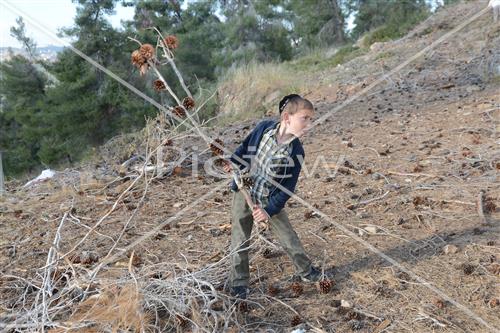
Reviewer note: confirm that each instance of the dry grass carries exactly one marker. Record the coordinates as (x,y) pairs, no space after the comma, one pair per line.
(254,90)
(114,310)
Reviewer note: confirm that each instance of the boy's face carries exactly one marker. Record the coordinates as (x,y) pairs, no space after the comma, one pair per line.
(299,122)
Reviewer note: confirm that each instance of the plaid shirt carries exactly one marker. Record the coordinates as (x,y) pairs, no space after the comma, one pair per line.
(269,157)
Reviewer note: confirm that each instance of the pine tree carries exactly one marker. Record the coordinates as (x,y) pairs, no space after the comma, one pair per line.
(22,86)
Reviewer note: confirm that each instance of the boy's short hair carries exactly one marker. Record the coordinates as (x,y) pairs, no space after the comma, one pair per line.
(293,103)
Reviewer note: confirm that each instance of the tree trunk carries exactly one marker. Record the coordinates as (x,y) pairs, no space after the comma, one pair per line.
(338,22)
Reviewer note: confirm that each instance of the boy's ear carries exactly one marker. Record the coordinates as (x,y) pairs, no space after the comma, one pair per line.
(285,116)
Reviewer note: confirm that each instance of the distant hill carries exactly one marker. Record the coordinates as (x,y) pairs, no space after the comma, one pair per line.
(48,52)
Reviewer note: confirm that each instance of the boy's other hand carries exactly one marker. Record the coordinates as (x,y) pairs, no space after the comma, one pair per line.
(227,167)
(259,214)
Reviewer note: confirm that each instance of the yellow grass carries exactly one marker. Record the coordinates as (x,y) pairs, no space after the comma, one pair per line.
(254,90)
(115,310)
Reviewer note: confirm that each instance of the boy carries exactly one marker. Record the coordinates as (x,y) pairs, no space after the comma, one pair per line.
(274,152)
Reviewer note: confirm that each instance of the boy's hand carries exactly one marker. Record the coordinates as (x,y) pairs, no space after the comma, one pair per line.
(259,214)
(227,167)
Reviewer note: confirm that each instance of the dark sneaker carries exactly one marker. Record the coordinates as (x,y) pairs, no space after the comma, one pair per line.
(313,275)
(239,292)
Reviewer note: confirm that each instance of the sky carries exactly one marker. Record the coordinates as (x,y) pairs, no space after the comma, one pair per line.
(51,14)
(54,14)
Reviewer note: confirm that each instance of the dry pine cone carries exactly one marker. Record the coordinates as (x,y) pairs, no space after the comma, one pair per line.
(439,303)
(494,302)
(74,258)
(171,42)
(468,269)
(308,215)
(159,85)
(267,253)
(325,285)
(137,59)
(296,320)
(297,289)
(489,205)
(273,290)
(179,111)
(147,51)
(88,258)
(188,103)
(247,182)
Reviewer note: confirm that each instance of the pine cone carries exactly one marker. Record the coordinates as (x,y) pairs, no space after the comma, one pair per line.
(89,258)
(216,151)
(273,290)
(171,42)
(494,302)
(74,258)
(403,276)
(188,103)
(468,269)
(325,285)
(137,59)
(489,205)
(243,306)
(439,303)
(309,214)
(136,260)
(417,201)
(247,182)
(159,85)
(267,253)
(353,315)
(147,51)
(296,320)
(179,111)
(297,289)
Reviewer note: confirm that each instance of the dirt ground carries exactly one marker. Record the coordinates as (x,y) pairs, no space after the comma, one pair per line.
(408,167)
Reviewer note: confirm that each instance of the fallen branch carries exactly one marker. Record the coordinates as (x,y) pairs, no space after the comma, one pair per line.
(362,203)
(410,174)
(480,210)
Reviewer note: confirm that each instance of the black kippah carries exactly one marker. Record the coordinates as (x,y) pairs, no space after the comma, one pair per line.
(285,101)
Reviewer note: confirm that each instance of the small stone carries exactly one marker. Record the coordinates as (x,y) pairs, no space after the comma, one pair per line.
(362,215)
(450,249)
(371,229)
(345,304)
(392,187)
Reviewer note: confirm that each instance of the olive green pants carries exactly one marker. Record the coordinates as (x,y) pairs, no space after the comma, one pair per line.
(241,230)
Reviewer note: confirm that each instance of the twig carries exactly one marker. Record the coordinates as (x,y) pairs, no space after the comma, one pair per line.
(423,316)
